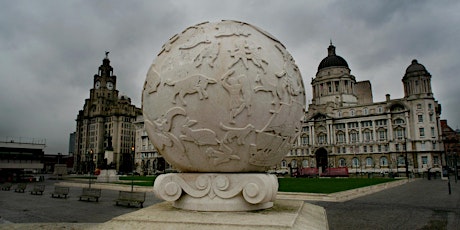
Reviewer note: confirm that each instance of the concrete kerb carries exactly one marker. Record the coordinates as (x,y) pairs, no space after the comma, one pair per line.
(333,197)
(341,196)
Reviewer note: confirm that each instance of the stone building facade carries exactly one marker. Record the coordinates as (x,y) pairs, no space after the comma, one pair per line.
(105,129)
(344,127)
(147,159)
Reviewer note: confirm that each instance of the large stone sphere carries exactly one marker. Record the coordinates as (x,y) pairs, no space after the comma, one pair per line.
(223,97)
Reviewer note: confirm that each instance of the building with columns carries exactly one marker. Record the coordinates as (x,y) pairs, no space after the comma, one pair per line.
(105,131)
(344,127)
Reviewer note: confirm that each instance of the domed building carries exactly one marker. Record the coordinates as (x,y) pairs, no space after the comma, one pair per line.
(344,127)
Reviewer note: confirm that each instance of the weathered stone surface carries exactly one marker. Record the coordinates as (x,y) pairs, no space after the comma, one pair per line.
(223,97)
(218,191)
(285,214)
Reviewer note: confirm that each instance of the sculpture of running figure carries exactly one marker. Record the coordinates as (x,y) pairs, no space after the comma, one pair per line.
(234,87)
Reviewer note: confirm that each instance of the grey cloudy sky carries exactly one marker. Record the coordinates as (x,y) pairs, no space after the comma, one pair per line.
(50,50)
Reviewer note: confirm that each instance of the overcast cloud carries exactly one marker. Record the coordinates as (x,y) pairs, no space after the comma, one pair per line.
(50,50)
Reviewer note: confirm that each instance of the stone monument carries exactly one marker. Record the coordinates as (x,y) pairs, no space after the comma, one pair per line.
(222,102)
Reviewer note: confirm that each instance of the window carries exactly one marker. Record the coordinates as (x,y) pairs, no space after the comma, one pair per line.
(383,161)
(305,164)
(382,134)
(369,162)
(371,148)
(420,118)
(355,162)
(365,111)
(400,133)
(342,162)
(379,109)
(419,106)
(366,124)
(354,137)
(422,132)
(344,150)
(294,164)
(322,138)
(401,161)
(352,112)
(424,160)
(283,164)
(382,122)
(432,132)
(340,113)
(304,140)
(423,146)
(434,145)
(367,135)
(431,117)
(397,147)
(435,160)
(399,121)
(340,137)
(352,125)
(365,149)
(305,129)
(430,106)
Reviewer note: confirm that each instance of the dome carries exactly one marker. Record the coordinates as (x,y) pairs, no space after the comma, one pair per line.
(332,60)
(415,66)
(415,69)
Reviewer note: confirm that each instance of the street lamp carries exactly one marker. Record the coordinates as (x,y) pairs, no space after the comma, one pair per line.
(405,160)
(132,169)
(90,167)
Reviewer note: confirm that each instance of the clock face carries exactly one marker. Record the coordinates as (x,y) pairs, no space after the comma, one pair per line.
(97,84)
(109,85)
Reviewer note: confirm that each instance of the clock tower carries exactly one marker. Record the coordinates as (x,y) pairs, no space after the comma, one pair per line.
(105,124)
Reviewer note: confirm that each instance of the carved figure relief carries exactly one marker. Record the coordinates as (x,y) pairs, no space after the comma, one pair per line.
(225,97)
(190,85)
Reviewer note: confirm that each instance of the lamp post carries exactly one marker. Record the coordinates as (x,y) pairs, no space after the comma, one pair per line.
(406,162)
(90,167)
(132,169)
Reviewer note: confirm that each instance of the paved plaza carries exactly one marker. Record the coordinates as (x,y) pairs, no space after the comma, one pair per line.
(419,204)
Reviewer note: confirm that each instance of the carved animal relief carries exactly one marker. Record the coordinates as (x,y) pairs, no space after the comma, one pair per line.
(223,97)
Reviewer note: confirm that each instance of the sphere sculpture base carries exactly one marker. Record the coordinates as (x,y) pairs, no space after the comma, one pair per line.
(217,191)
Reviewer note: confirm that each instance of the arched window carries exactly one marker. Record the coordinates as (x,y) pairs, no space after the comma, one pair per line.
(355,162)
(354,137)
(342,162)
(283,164)
(383,161)
(305,164)
(294,164)
(369,162)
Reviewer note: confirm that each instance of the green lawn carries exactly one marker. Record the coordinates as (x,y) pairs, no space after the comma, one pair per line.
(326,185)
(307,185)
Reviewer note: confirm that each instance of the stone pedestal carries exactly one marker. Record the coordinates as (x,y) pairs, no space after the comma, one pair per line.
(217,191)
(285,214)
(107,175)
